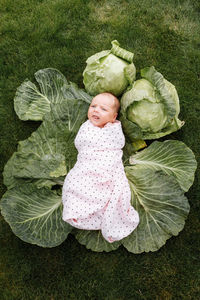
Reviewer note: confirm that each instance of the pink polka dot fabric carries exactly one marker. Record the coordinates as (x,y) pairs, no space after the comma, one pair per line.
(96,194)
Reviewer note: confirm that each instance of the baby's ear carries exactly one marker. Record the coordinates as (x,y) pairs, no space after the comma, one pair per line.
(115,116)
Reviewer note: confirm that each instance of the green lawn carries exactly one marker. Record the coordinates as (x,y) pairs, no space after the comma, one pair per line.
(62,34)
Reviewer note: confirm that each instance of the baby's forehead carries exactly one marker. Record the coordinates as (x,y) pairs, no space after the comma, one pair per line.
(104,100)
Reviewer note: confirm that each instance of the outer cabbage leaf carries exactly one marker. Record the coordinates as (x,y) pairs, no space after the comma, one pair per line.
(94,240)
(171,157)
(35,215)
(150,108)
(161,205)
(109,71)
(32,104)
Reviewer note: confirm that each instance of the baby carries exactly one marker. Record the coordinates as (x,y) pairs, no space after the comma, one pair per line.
(96,193)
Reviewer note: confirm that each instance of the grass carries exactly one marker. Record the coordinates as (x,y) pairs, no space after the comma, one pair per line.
(36,34)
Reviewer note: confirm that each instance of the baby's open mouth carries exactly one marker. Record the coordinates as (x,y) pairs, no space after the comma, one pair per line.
(95,117)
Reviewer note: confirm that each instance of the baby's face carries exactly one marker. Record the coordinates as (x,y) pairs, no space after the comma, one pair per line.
(102,110)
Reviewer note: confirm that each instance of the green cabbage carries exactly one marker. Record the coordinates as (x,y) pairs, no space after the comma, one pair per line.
(109,71)
(150,108)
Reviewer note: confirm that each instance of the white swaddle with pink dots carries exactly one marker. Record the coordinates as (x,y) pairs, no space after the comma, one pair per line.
(96,194)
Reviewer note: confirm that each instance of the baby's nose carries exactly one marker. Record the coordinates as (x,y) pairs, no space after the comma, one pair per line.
(96,108)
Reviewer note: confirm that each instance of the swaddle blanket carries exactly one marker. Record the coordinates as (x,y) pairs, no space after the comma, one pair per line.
(96,193)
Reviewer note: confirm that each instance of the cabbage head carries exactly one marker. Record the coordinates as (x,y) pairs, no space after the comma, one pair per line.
(150,108)
(109,71)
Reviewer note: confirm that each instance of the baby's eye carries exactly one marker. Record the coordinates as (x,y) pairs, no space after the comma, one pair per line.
(93,105)
(104,109)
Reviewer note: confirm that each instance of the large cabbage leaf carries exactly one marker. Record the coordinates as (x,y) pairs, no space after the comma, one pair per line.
(172,157)
(158,177)
(35,215)
(161,205)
